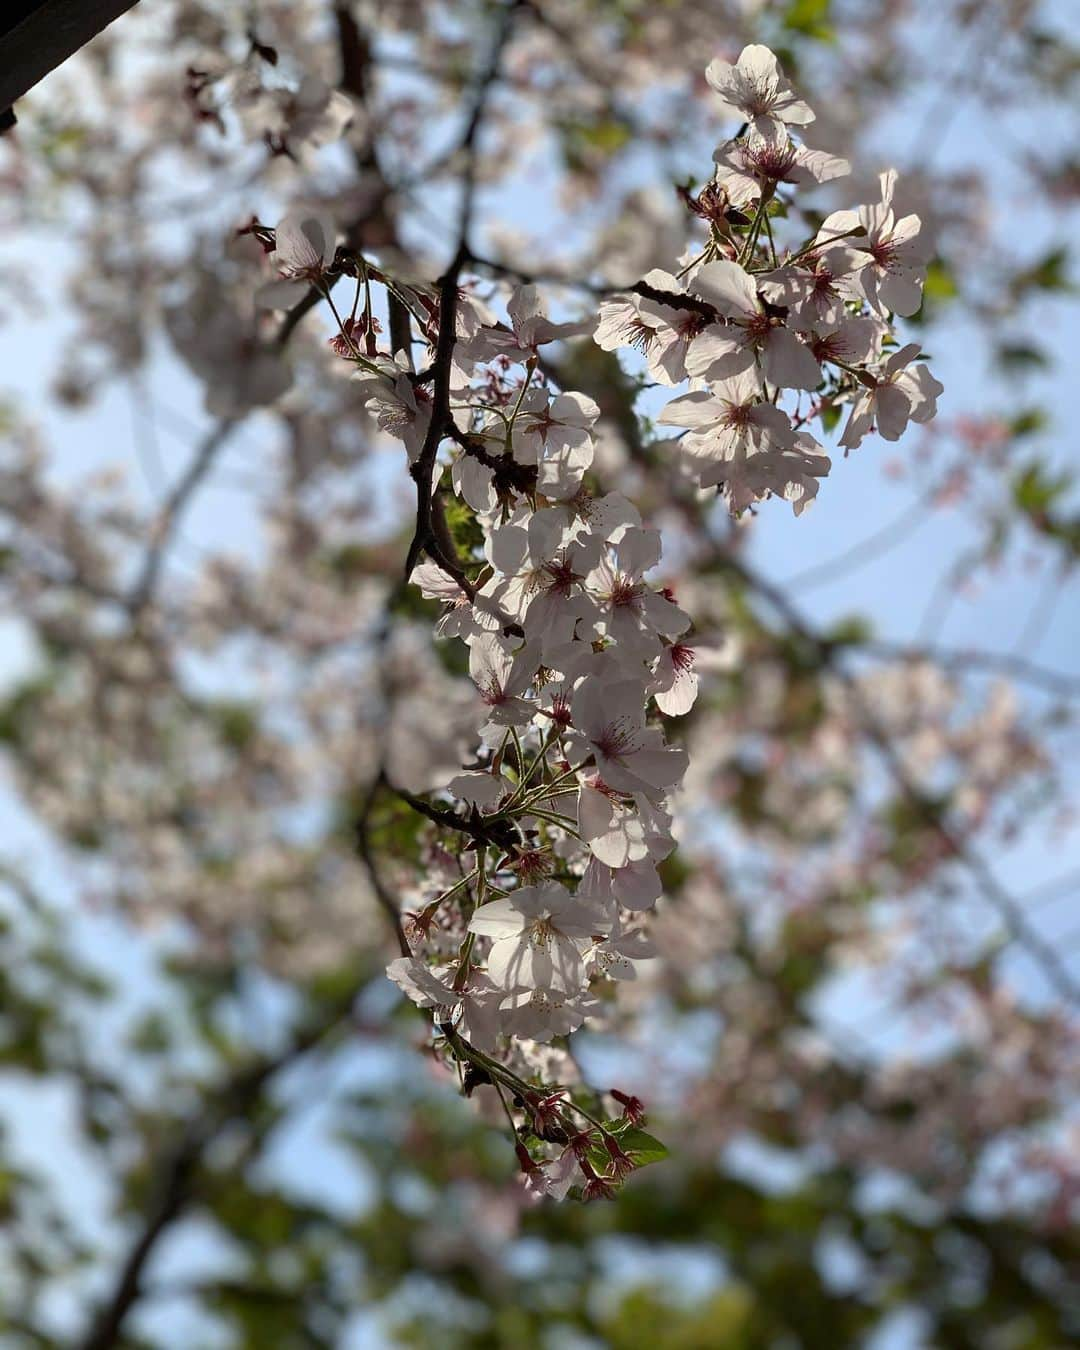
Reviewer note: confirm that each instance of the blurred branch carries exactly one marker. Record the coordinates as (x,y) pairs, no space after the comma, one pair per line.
(867,550)
(829,656)
(142,592)
(177,1171)
(1056,682)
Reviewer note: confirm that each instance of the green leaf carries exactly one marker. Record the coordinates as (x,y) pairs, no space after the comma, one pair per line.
(1035,489)
(811,18)
(643,1147)
(1028,422)
(939,290)
(1020,356)
(850,631)
(1050,273)
(237,723)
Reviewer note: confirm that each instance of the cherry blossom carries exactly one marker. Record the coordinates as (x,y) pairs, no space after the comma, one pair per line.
(303,250)
(901,393)
(610,719)
(534,935)
(895,251)
(757,164)
(750,335)
(754,88)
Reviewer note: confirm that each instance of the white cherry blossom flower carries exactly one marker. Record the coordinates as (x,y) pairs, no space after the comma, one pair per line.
(756,90)
(761,161)
(661,331)
(555,434)
(610,718)
(626,321)
(614,958)
(750,335)
(399,408)
(473,1009)
(532,327)
(462,618)
(542,1014)
(538,577)
(747,446)
(535,933)
(626,609)
(855,340)
(729,423)
(304,247)
(483,790)
(675,682)
(815,289)
(474,483)
(895,251)
(551,425)
(613,830)
(636,886)
(502,675)
(901,394)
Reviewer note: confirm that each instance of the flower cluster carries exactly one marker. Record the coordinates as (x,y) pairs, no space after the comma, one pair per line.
(561,815)
(756,330)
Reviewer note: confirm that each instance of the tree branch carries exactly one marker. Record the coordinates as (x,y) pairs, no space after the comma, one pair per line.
(424,536)
(142,592)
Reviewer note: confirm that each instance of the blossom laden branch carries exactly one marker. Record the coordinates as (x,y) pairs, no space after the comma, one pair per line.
(577,657)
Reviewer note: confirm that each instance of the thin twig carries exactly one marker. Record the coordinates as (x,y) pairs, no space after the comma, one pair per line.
(424,537)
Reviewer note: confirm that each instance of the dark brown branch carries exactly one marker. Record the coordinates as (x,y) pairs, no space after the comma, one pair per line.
(424,537)
(498,834)
(379,888)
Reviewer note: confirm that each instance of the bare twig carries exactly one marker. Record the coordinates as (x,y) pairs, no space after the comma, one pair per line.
(424,537)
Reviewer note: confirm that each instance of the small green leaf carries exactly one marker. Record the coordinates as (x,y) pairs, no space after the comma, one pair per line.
(810,17)
(1020,356)
(1035,489)
(643,1147)
(1028,422)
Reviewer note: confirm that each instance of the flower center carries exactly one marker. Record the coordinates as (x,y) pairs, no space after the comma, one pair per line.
(492,692)
(737,416)
(682,656)
(625,594)
(542,932)
(768,160)
(562,576)
(615,740)
(640,336)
